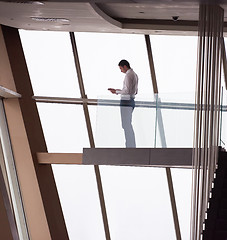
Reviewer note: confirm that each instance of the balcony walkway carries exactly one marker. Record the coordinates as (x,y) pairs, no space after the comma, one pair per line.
(153,157)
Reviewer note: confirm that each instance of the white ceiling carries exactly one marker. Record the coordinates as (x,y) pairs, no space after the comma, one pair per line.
(145,17)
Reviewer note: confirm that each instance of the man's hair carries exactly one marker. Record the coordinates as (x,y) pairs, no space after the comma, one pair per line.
(123,63)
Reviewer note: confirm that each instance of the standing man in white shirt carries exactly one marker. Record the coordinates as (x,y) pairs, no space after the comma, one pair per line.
(128,92)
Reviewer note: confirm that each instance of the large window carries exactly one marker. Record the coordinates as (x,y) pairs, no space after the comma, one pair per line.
(100,69)
(137,198)
(50,63)
(64,127)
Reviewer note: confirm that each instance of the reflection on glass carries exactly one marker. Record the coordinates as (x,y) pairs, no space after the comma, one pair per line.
(64,127)
(50,63)
(138,203)
(78,194)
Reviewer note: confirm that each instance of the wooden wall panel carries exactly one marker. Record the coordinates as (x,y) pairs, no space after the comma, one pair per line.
(27,139)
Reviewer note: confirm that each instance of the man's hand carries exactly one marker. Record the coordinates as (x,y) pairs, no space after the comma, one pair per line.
(112,90)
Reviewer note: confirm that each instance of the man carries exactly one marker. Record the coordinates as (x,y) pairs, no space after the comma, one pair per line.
(128,92)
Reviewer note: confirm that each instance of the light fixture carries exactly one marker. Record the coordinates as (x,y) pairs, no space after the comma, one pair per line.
(49,19)
(28,2)
(38,3)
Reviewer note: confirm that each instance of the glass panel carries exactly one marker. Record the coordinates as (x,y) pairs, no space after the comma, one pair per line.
(50,63)
(138,203)
(155,124)
(108,128)
(78,194)
(137,199)
(64,127)
(183,201)
(100,54)
(178,126)
(93,117)
(109,122)
(175,63)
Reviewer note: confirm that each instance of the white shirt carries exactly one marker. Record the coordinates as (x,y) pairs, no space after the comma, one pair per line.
(130,84)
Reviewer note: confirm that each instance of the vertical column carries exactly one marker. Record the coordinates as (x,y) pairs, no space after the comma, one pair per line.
(151,64)
(39,193)
(207,111)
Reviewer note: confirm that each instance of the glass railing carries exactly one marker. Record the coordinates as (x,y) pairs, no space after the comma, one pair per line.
(164,121)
